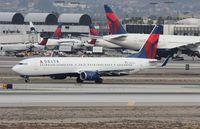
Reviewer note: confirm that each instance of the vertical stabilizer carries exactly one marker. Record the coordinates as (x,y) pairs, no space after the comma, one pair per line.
(113,23)
(149,49)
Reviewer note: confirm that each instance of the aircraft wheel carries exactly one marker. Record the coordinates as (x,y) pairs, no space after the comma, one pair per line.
(99,81)
(78,80)
(27,80)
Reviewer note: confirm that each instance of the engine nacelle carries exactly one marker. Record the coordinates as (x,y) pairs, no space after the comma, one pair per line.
(61,76)
(89,75)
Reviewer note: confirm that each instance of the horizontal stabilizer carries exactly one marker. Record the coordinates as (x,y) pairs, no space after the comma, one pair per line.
(166,61)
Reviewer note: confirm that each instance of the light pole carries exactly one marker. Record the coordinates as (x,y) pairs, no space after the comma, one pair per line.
(154,7)
(168,8)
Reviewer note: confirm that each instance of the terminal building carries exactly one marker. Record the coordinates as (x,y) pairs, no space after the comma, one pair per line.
(189,26)
(45,23)
(142,29)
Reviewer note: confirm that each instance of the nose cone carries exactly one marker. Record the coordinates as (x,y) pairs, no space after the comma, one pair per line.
(15,69)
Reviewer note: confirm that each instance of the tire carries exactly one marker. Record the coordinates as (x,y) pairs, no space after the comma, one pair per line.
(99,81)
(27,80)
(78,80)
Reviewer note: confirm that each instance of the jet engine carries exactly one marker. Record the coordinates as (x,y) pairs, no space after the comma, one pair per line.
(89,75)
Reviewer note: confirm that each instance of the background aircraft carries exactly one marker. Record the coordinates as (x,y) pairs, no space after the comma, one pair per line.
(99,41)
(16,48)
(57,40)
(168,44)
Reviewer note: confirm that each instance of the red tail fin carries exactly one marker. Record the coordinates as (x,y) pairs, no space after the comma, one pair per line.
(58,32)
(94,32)
(44,41)
(113,22)
(93,41)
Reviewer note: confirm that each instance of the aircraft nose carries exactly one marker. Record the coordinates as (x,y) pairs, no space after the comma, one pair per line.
(15,69)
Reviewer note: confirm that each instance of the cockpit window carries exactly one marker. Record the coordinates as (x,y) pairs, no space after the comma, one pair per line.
(23,64)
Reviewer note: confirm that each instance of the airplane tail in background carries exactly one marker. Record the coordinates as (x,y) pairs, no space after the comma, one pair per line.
(113,23)
(32,27)
(44,42)
(58,33)
(150,47)
(93,32)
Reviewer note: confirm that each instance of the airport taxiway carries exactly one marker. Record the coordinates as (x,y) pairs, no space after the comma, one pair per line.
(43,91)
(99,95)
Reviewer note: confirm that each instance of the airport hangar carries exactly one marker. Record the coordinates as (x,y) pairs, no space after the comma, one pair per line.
(14,27)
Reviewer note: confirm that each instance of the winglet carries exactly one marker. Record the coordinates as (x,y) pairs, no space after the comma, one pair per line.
(32,27)
(113,23)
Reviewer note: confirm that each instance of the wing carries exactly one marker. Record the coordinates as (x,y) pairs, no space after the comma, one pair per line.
(91,36)
(118,37)
(110,72)
(190,46)
(181,46)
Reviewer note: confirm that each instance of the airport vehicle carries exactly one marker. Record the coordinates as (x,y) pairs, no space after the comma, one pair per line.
(168,44)
(91,68)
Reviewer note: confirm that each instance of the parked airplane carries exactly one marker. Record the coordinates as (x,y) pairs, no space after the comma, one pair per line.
(57,40)
(19,47)
(57,34)
(168,44)
(91,68)
(99,41)
(15,48)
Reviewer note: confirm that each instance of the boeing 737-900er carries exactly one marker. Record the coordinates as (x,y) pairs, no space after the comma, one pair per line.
(168,44)
(91,68)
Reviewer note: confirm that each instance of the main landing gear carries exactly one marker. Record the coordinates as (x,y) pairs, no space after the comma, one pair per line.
(27,80)
(78,80)
(98,81)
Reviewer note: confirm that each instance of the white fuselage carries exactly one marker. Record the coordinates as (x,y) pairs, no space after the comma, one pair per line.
(136,41)
(14,47)
(63,65)
(20,47)
(106,44)
(75,43)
